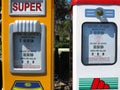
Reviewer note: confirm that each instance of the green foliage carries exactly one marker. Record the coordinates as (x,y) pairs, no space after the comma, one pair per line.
(61,9)
(62,24)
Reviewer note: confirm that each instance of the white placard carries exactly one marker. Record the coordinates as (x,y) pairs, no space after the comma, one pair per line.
(27,7)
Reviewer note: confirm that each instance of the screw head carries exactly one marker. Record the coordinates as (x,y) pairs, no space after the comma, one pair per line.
(99,12)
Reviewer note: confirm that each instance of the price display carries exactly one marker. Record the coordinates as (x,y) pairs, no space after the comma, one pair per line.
(27,50)
(99,43)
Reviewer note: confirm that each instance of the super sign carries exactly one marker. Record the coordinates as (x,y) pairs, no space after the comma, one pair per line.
(27,7)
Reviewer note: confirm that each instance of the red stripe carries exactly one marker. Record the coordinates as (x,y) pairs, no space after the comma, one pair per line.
(95,2)
(95,83)
(101,84)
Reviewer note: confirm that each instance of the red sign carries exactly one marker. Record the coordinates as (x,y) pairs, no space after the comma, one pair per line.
(112,2)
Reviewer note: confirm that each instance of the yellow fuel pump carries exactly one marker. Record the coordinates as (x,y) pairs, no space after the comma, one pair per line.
(27,44)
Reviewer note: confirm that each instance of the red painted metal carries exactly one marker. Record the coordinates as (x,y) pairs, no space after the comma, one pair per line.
(104,2)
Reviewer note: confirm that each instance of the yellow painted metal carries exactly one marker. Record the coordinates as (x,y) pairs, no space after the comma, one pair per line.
(45,79)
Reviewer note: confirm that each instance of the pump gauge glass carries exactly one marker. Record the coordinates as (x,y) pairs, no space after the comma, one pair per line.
(99,43)
(27,50)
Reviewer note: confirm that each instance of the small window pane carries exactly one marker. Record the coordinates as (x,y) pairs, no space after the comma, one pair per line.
(99,43)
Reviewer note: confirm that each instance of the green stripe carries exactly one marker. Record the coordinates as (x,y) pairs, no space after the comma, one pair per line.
(85,83)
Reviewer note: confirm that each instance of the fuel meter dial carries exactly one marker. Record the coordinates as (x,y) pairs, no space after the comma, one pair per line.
(27,47)
(99,43)
(27,50)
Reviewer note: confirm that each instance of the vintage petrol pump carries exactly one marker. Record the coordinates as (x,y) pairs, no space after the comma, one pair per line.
(96,44)
(27,44)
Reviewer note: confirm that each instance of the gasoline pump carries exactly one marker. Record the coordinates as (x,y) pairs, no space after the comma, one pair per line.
(96,45)
(27,44)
